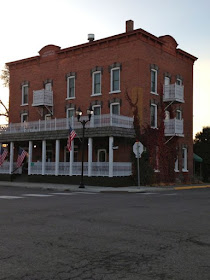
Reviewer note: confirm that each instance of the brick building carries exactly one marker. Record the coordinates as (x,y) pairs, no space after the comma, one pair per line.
(46,90)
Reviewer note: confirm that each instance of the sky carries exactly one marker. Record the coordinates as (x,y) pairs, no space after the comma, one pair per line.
(28,25)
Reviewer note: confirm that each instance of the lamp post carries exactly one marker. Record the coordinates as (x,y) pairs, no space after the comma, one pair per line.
(83,122)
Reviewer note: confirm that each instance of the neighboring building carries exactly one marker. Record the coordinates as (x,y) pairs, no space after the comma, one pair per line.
(46,90)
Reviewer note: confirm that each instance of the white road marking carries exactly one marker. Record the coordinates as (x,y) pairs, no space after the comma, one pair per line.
(37,195)
(85,193)
(62,193)
(148,193)
(169,193)
(10,197)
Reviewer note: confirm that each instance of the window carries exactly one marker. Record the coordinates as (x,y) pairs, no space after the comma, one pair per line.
(25,95)
(184,159)
(166,81)
(179,82)
(67,154)
(154,81)
(70,113)
(96,110)
(167,115)
(115,80)
(176,168)
(115,108)
(47,117)
(153,115)
(48,87)
(24,117)
(178,114)
(96,88)
(71,87)
(101,155)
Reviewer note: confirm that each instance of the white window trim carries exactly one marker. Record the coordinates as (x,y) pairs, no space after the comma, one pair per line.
(68,80)
(154,105)
(98,152)
(111,89)
(46,116)
(155,92)
(112,104)
(23,86)
(185,168)
(93,80)
(69,109)
(21,117)
(167,79)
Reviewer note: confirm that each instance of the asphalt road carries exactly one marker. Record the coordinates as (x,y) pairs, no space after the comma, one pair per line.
(147,236)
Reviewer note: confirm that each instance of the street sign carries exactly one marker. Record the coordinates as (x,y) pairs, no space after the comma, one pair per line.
(138,149)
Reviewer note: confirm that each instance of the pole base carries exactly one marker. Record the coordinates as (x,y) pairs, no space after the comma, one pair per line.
(81,186)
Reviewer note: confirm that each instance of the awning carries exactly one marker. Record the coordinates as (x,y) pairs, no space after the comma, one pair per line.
(197,158)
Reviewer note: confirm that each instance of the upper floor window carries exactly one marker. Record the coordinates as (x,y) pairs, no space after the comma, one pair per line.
(115,108)
(153,115)
(48,86)
(24,117)
(115,79)
(70,113)
(24,94)
(48,117)
(153,81)
(71,87)
(96,86)
(166,81)
(179,82)
(178,114)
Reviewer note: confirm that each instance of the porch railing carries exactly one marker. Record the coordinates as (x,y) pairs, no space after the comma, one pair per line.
(98,168)
(60,124)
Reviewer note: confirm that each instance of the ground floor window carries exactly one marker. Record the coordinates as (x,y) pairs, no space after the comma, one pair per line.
(184,159)
(101,155)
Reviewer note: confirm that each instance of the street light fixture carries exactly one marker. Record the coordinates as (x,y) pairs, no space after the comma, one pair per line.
(83,122)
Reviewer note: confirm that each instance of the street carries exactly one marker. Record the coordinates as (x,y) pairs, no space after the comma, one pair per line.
(52,235)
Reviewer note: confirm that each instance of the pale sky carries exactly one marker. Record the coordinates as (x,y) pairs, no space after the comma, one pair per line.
(27,26)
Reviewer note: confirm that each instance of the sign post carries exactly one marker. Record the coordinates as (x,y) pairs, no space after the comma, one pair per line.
(138,150)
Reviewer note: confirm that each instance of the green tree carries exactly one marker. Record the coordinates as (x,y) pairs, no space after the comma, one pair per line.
(202,148)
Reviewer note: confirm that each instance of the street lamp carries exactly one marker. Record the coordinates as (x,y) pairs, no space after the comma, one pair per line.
(83,122)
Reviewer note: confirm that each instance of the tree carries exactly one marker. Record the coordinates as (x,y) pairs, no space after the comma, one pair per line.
(202,149)
(5,77)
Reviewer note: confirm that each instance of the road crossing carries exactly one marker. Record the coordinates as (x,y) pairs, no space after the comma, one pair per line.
(37,195)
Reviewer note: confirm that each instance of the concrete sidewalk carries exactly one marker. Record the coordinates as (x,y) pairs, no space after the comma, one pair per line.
(99,189)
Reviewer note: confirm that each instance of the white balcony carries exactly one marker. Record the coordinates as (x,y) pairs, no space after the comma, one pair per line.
(42,97)
(174,127)
(61,124)
(173,92)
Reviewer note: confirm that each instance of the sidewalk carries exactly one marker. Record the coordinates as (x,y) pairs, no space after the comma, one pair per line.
(100,189)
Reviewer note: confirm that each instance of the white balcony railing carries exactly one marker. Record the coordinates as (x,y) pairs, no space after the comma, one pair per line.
(174,127)
(42,97)
(173,92)
(61,124)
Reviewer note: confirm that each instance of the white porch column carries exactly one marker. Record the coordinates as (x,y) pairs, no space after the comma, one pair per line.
(30,149)
(43,156)
(11,157)
(90,156)
(111,141)
(57,156)
(71,160)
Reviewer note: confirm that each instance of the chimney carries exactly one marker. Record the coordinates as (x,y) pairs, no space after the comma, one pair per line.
(129,25)
(91,37)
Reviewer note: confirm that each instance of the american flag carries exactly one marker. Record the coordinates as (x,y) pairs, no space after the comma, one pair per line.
(3,154)
(21,155)
(72,134)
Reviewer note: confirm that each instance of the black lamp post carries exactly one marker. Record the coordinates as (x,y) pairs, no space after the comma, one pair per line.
(83,122)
